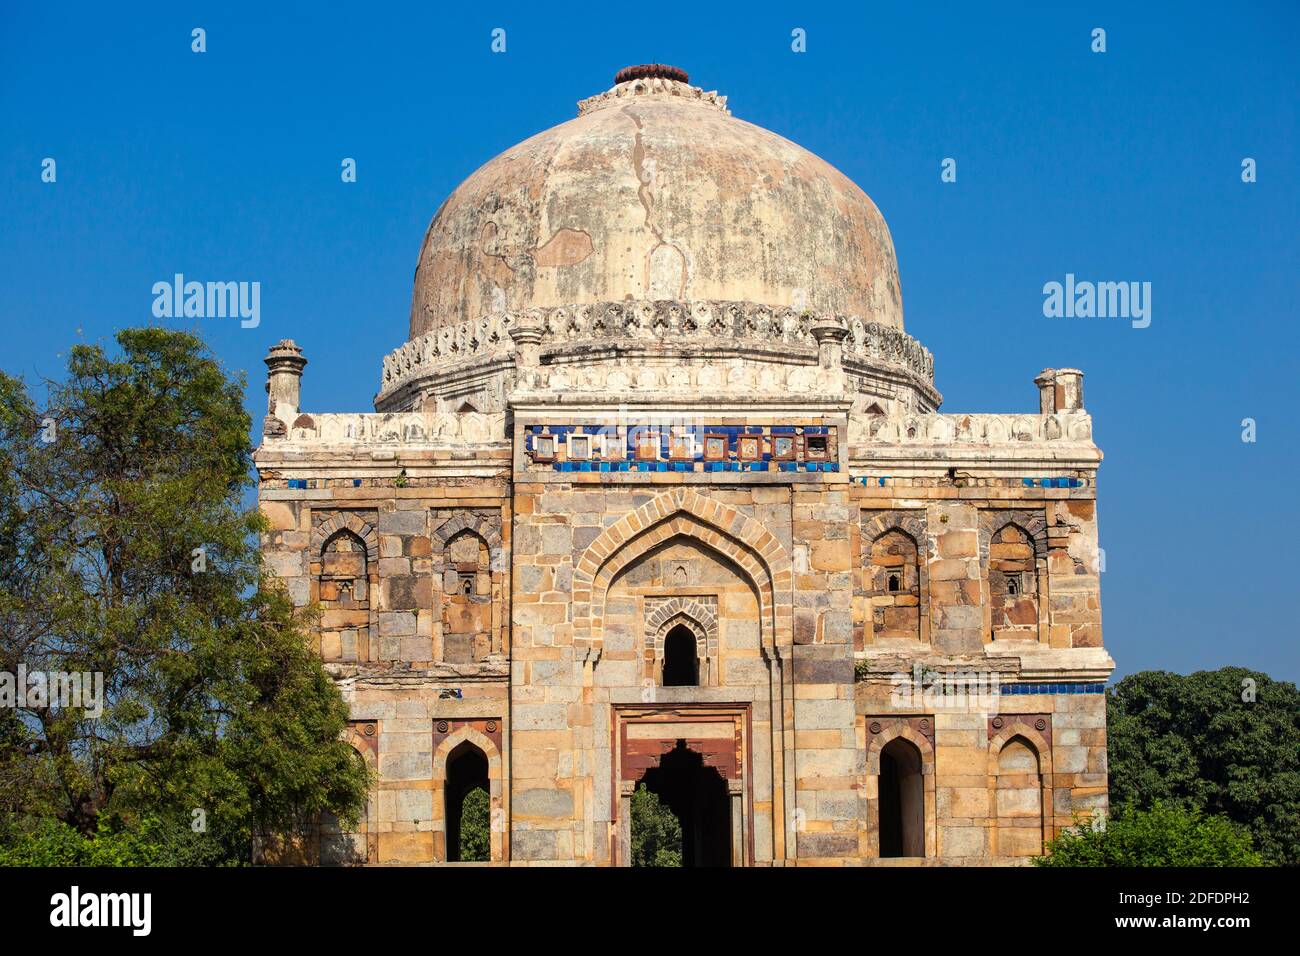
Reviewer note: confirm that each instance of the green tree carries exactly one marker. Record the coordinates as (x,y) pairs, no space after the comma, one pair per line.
(127,550)
(1158,836)
(656,831)
(1224,742)
(476,827)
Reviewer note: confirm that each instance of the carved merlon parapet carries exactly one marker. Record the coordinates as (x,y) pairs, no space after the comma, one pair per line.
(666,325)
(1063,439)
(409,429)
(944,428)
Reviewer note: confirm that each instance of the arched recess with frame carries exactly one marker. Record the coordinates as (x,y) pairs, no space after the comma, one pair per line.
(344,582)
(758,559)
(1020,786)
(702,623)
(1015,587)
(446,748)
(479,610)
(894,543)
(339,847)
(912,734)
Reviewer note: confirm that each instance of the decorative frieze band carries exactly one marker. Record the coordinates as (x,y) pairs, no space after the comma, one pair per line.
(653,322)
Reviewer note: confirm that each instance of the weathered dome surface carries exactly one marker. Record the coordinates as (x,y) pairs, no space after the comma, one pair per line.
(655,192)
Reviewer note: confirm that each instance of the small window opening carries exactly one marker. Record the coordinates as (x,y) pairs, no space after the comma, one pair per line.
(681,668)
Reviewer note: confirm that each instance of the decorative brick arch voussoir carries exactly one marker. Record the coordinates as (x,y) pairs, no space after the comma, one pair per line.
(677,607)
(1032,522)
(327,529)
(685,513)
(475,523)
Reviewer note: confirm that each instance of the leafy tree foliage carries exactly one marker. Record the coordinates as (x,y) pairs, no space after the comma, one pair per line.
(476,827)
(1194,742)
(126,549)
(656,831)
(1159,836)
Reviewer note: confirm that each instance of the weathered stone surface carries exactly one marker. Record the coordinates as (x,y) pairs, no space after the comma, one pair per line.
(551,563)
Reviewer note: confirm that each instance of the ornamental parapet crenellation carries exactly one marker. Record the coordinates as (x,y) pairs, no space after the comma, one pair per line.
(984,429)
(431,429)
(759,333)
(869,435)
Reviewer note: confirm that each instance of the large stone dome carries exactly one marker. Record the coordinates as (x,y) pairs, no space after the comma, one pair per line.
(655,192)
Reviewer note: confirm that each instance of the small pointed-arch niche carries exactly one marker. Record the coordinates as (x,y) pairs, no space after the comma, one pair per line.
(1014,585)
(344,594)
(466,552)
(895,588)
(467,599)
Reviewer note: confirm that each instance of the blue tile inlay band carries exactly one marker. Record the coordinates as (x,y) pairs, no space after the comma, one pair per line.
(1066,688)
(683,449)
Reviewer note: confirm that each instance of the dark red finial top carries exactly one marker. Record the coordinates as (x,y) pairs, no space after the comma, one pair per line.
(647,71)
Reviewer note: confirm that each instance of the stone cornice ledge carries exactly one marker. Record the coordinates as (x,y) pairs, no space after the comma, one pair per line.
(1029,662)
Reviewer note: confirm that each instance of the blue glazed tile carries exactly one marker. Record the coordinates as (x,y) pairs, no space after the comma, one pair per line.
(356,482)
(604,466)
(1027,482)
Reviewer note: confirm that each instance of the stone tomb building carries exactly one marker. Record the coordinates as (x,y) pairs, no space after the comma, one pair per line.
(658,491)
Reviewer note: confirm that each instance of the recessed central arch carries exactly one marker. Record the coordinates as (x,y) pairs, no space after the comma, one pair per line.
(683,513)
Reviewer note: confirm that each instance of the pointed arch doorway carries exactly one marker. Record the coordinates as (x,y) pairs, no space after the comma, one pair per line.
(697,795)
(696,759)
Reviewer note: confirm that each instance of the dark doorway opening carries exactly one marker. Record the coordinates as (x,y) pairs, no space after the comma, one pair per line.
(467,770)
(698,797)
(901,800)
(681,666)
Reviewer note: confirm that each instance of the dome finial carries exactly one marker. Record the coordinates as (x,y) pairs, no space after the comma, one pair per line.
(646,71)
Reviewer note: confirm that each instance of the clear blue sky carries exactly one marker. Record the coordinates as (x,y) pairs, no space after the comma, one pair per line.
(1117,166)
